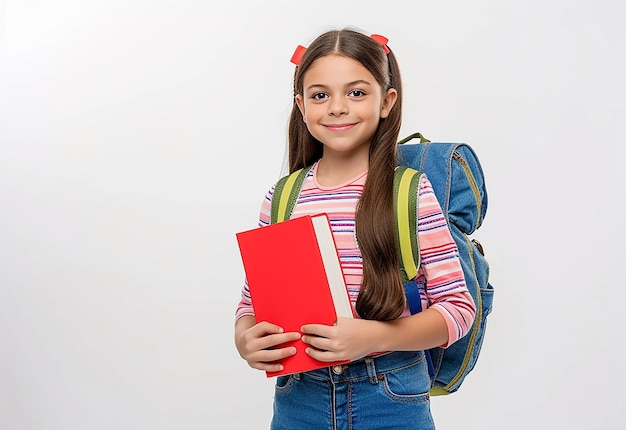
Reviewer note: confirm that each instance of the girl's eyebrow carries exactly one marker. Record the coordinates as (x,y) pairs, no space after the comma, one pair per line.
(349,84)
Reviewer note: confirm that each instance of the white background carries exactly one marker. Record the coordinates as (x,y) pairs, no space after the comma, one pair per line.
(136,138)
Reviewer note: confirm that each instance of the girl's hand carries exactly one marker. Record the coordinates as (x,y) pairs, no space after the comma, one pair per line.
(258,344)
(348,339)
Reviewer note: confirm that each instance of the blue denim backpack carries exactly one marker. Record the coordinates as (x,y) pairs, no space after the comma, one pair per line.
(457,179)
(458,182)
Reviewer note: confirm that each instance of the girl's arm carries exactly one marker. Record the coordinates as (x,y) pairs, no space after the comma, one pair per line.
(440,266)
(352,339)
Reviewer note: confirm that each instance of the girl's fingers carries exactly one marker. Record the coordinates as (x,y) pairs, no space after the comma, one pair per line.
(274,340)
(269,359)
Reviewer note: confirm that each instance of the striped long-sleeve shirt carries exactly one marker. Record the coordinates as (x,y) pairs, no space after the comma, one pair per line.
(440,267)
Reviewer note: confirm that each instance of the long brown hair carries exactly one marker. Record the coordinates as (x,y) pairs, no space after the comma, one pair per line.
(381,296)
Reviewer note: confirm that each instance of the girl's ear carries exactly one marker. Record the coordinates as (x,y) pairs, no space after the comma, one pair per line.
(388,102)
(300,103)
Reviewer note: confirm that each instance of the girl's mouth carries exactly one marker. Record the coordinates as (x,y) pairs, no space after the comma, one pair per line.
(339,127)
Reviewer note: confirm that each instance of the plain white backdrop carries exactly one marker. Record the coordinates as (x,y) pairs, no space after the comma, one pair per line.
(137,137)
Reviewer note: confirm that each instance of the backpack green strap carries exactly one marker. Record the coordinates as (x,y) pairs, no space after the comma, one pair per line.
(285,195)
(405,189)
(419,136)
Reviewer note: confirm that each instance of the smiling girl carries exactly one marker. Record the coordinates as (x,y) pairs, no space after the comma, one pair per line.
(344,127)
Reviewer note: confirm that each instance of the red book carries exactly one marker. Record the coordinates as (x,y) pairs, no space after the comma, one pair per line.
(295,278)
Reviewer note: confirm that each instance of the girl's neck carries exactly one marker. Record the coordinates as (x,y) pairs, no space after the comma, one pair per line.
(333,171)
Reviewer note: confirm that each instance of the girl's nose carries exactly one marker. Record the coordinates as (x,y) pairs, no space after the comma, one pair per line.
(337,107)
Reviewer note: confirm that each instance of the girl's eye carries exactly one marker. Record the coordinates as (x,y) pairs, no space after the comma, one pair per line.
(357,93)
(319,96)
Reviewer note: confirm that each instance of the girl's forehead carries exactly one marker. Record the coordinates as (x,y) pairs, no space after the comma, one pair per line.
(336,68)
(334,60)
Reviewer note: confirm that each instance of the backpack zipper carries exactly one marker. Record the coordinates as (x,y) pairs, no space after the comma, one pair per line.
(473,185)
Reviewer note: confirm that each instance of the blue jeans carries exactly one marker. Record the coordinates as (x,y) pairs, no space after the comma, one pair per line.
(389,391)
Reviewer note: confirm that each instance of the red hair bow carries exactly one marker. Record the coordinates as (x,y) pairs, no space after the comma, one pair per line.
(297,55)
(382,40)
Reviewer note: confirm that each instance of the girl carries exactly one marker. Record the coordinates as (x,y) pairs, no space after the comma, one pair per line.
(345,122)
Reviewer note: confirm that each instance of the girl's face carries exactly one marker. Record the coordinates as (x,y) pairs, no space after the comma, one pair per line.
(342,104)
